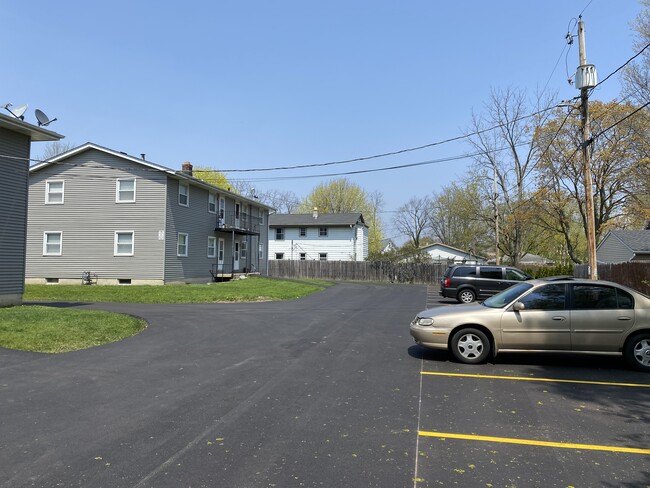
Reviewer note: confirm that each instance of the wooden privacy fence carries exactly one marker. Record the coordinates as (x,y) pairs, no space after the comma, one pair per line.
(635,274)
(358,271)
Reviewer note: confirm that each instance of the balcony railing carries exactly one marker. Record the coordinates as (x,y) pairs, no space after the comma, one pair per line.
(238,222)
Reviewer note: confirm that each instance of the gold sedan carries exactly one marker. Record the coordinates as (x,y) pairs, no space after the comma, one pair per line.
(550,314)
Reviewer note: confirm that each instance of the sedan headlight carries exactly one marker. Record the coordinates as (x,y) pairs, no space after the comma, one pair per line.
(424,321)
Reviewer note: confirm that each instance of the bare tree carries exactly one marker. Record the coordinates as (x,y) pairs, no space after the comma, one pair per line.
(504,139)
(53,149)
(282,201)
(412,219)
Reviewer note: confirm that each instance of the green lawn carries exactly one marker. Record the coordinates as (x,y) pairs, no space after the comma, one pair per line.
(55,330)
(248,290)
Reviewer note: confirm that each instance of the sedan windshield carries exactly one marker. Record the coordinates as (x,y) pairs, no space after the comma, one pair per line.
(503,298)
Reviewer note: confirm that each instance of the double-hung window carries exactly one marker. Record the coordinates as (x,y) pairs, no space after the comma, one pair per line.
(279,234)
(212,247)
(303,231)
(124,243)
(183,244)
(184,194)
(54,192)
(244,245)
(52,243)
(212,203)
(322,231)
(125,190)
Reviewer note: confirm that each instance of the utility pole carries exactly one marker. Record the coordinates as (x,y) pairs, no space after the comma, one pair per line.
(586,79)
(496,221)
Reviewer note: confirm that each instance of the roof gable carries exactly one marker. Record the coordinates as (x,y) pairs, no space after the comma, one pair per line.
(142,162)
(637,241)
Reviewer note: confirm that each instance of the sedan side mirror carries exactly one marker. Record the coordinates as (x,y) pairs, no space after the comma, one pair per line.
(518,307)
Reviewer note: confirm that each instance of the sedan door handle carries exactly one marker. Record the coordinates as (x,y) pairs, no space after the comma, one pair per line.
(624,318)
(559,318)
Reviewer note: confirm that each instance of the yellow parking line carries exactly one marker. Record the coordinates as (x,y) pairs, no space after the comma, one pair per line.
(526,378)
(530,442)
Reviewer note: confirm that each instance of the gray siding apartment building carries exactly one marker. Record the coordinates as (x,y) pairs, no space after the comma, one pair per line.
(129,221)
(16,137)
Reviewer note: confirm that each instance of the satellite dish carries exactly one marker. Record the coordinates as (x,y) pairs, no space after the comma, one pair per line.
(42,118)
(17,111)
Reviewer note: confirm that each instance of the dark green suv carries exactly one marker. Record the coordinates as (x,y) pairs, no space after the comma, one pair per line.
(469,282)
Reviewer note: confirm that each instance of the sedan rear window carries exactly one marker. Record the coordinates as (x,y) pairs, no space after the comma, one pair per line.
(595,297)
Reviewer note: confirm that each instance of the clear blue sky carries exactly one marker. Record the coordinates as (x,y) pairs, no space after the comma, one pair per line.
(257,84)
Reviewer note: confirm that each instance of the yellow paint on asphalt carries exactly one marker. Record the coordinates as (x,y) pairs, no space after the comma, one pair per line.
(532,442)
(526,378)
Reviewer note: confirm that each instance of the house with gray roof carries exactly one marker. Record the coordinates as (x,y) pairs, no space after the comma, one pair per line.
(442,253)
(120,219)
(622,246)
(16,137)
(322,237)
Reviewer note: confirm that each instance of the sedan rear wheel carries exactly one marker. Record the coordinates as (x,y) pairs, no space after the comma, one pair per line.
(470,346)
(637,352)
(466,296)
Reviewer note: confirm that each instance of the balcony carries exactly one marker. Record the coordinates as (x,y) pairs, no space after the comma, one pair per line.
(239,223)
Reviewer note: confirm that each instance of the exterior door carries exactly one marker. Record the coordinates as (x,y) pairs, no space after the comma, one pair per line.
(543,324)
(221,250)
(236,256)
(600,315)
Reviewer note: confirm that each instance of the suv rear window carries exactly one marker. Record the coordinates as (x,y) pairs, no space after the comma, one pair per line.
(491,272)
(462,271)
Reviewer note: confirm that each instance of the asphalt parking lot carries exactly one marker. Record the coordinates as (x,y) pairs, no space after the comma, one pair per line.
(329,390)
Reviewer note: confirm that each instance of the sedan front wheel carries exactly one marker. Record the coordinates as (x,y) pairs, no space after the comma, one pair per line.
(637,352)
(470,346)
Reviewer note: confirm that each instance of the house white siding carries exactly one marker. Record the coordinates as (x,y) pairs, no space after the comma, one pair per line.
(341,243)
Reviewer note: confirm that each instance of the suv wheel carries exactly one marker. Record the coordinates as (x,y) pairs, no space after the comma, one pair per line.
(466,296)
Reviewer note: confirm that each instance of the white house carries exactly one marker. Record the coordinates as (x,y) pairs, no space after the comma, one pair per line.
(442,253)
(324,237)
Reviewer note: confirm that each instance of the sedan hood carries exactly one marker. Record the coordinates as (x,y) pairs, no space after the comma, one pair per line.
(470,308)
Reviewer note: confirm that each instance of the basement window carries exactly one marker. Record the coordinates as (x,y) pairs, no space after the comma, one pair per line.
(52,281)
(124,281)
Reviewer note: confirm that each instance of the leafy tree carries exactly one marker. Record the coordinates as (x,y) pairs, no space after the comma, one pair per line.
(457,218)
(212,176)
(342,196)
(615,168)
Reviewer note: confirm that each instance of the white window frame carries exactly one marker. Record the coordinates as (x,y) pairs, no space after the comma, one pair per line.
(322,256)
(116,242)
(212,203)
(261,250)
(119,190)
(49,192)
(243,249)
(185,194)
(322,232)
(212,247)
(279,256)
(279,234)
(45,243)
(186,244)
(302,231)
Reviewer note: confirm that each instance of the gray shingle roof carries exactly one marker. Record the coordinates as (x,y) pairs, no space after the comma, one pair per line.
(308,220)
(636,240)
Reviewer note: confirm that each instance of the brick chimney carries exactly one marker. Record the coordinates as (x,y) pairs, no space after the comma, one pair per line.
(187,168)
